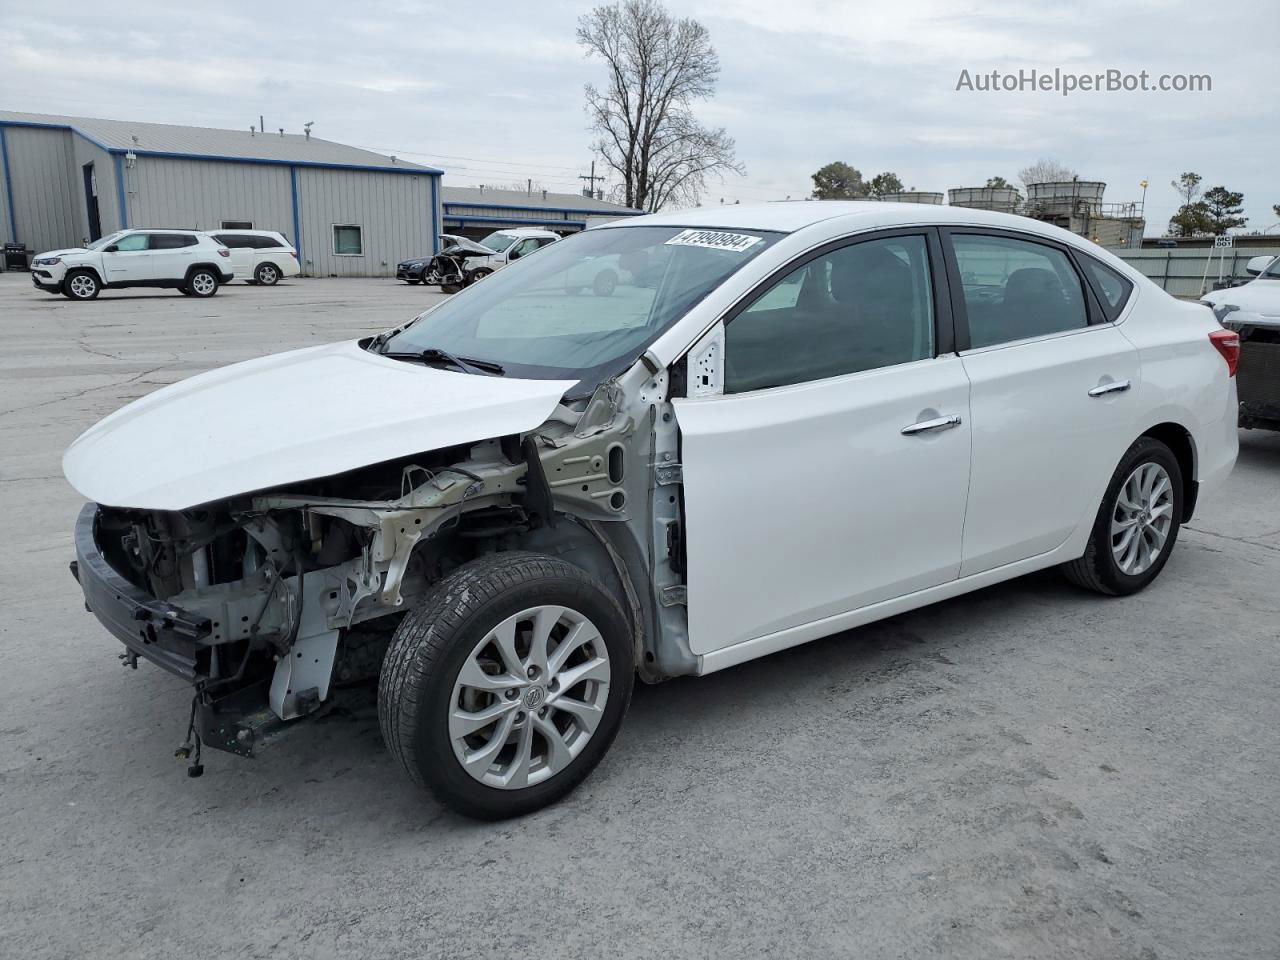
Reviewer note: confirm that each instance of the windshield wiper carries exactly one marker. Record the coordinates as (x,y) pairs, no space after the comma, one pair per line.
(436,355)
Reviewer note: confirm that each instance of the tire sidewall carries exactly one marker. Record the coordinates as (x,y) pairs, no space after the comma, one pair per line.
(258,274)
(66,282)
(1146,450)
(433,746)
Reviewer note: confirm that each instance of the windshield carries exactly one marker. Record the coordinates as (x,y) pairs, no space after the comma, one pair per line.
(497,242)
(586,307)
(103,241)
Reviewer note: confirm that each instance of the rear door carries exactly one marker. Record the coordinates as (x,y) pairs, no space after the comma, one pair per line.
(1054,389)
(172,254)
(242,247)
(832,472)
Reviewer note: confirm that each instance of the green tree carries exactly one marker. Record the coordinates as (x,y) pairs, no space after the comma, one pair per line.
(883,184)
(998,183)
(838,181)
(1188,187)
(1224,208)
(1191,220)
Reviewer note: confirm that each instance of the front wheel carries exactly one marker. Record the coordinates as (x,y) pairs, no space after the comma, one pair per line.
(506,686)
(80,285)
(202,283)
(477,275)
(1137,524)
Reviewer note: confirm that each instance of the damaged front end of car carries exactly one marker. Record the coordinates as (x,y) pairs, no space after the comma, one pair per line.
(268,601)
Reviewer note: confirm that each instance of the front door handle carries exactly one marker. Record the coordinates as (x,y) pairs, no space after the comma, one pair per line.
(1118,386)
(927,426)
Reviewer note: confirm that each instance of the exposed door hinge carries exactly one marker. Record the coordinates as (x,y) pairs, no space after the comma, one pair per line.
(675,596)
(670,473)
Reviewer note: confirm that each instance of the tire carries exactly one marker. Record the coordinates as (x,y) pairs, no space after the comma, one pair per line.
(267,274)
(1103,568)
(184,291)
(478,275)
(605,283)
(202,283)
(81,285)
(449,288)
(421,691)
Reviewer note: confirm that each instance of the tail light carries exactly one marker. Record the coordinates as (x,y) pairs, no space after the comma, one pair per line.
(224,252)
(1227,343)
(294,254)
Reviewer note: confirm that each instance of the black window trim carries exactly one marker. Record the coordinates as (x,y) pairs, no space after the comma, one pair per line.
(943,325)
(1094,315)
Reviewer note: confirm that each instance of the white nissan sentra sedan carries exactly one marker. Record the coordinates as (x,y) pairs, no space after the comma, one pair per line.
(805,417)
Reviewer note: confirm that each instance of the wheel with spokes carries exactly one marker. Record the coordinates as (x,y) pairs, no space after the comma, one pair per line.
(80,285)
(1137,524)
(267,274)
(503,689)
(201,283)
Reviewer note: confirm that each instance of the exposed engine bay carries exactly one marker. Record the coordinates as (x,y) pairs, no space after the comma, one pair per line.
(448,268)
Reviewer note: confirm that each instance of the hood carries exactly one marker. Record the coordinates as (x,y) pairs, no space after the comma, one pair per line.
(1261,297)
(470,246)
(291,417)
(59,253)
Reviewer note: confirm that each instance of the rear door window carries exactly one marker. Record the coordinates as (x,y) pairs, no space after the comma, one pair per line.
(171,241)
(1016,289)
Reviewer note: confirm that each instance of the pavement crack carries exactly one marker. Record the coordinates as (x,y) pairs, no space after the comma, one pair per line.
(81,393)
(1223,536)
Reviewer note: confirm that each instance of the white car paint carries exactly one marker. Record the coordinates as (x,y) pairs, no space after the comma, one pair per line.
(126,267)
(1256,302)
(245,260)
(518,236)
(289,417)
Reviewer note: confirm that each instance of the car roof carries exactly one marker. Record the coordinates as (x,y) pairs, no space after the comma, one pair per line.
(790,216)
(252,233)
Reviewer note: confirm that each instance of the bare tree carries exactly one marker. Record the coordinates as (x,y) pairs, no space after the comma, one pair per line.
(1045,171)
(1188,187)
(658,67)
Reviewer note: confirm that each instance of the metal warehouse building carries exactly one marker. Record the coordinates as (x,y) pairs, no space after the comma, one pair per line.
(350,212)
(475,211)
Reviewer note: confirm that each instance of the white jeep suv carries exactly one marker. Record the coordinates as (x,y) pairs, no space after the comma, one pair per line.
(185,260)
(259,256)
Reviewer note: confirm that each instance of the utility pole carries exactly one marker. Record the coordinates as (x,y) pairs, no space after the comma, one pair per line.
(590,189)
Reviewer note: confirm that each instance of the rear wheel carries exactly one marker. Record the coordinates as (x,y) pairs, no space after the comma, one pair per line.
(80,285)
(267,274)
(1137,524)
(201,283)
(505,687)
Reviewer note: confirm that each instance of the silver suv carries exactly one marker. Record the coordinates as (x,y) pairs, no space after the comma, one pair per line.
(191,262)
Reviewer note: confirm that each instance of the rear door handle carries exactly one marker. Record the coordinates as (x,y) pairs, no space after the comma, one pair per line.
(1119,386)
(927,426)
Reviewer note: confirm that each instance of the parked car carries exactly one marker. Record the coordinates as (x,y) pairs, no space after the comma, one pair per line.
(466,261)
(1253,311)
(260,256)
(806,424)
(184,260)
(411,270)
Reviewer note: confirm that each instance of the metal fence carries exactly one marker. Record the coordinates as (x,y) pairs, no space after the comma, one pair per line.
(1191,272)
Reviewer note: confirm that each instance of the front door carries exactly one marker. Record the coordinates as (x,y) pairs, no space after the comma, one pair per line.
(129,261)
(832,472)
(1054,396)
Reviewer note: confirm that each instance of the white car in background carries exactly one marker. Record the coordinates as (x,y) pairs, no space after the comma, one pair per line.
(811,417)
(1253,311)
(184,260)
(507,246)
(260,256)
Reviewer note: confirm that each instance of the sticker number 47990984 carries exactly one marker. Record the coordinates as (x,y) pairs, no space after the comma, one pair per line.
(715,239)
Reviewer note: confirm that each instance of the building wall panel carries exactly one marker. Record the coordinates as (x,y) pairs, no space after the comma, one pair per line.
(43,185)
(393,210)
(201,194)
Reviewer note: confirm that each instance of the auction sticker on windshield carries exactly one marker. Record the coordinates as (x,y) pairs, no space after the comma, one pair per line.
(714,239)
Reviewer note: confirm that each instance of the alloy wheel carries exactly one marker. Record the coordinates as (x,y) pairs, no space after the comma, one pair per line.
(529,697)
(83,286)
(203,284)
(1142,518)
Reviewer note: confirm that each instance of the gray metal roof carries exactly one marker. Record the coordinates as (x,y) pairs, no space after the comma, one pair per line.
(488,197)
(116,136)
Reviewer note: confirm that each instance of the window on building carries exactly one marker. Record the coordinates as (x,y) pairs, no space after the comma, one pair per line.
(347,240)
(237,224)
(859,307)
(1015,289)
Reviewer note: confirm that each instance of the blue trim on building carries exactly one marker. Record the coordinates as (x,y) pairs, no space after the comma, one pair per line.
(519,221)
(172,155)
(479,205)
(297,221)
(8,186)
(122,195)
(435,212)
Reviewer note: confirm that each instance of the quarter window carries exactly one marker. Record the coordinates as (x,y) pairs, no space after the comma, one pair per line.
(1015,289)
(1111,286)
(348,241)
(860,307)
(172,241)
(235,241)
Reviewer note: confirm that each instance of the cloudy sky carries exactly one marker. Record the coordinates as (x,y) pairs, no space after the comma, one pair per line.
(492,91)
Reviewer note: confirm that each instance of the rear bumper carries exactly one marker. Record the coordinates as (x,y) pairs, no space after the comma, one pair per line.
(152,629)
